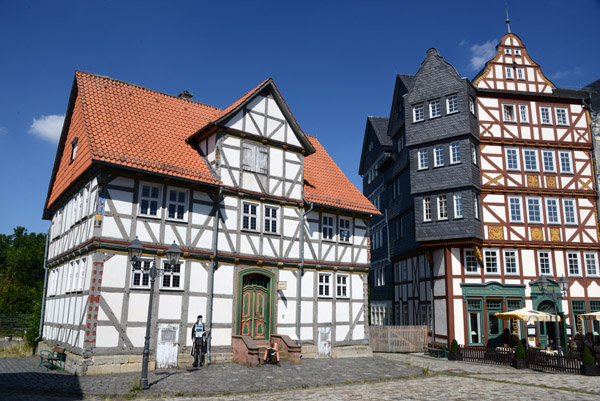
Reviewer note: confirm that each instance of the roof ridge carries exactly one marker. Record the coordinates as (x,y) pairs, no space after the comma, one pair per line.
(148,89)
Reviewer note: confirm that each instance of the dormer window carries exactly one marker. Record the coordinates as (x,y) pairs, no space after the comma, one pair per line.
(517,52)
(74,148)
(507,51)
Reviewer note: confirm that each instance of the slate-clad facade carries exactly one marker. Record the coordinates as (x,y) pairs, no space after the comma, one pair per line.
(490,184)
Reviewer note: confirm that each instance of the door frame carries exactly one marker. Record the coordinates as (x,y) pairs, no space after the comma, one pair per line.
(271,297)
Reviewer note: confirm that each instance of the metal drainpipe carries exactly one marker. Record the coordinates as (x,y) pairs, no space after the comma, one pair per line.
(35,342)
(300,274)
(211,274)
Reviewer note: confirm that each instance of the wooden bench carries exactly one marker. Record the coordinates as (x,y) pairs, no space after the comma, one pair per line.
(437,350)
(53,358)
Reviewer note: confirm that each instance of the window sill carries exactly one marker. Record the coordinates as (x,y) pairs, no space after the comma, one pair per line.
(271,234)
(434,117)
(452,112)
(324,297)
(150,217)
(442,219)
(439,165)
(422,168)
(578,275)
(459,217)
(174,220)
(171,289)
(455,163)
(509,121)
(140,288)
(567,172)
(418,121)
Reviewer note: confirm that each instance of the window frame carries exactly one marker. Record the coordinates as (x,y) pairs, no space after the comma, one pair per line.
(344,286)
(254,158)
(557,210)
(509,73)
(515,256)
(345,238)
(543,110)
(438,156)
(567,213)
(570,161)
(268,221)
(524,108)
(455,153)
(472,106)
(144,275)
(177,203)
(535,159)
(438,109)
(442,207)
(329,226)
(323,286)
(474,154)
(587,270)
(171,274)
(508,158)
(545,167)
(488,269)
(519,203)
(150,199)
(249,215)
(418,113)
(559,120)
(469,255)
(578,273)
(423,156)
(539,260)
(458,206)
(452,104)
(512,118)
(427,208)
(520,73)
(539,206)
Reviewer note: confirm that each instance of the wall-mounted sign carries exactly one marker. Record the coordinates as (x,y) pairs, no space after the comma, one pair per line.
(282,285)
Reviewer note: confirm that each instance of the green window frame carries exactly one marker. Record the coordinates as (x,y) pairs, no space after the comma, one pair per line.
(475,322)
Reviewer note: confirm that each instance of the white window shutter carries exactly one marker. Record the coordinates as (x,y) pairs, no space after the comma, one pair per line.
(263,161)
(247,157)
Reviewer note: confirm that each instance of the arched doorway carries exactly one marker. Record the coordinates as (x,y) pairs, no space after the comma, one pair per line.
(255,304)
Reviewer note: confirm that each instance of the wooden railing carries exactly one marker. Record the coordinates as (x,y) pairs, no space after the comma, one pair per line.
(397,338)
(490,356)
(540,360)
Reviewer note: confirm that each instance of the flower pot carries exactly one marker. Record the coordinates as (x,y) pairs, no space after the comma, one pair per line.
(453,356)
(590,370)
(519,363)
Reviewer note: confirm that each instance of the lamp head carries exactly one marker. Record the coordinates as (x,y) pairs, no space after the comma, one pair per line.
(135,250)
(563,283)
(543,284)
(173,254)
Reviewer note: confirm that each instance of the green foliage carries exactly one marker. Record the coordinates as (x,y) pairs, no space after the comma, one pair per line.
(588,359)
(21,271)
(520,351)
(454,346)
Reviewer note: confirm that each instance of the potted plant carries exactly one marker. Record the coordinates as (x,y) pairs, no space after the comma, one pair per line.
(519,360)
(588,368)
(453,354)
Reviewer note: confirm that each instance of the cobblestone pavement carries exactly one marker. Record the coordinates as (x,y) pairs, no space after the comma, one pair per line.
(383,377)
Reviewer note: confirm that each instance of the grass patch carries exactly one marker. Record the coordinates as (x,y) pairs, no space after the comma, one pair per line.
(16,350)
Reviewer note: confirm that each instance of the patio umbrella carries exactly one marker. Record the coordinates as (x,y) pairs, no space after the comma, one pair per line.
(525,315)
(591,316)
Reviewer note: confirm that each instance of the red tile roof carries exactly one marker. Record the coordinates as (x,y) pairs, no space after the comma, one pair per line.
(124,124)
(326,184)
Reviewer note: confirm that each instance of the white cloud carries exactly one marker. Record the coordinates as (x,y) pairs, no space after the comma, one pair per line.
(463,43)
(48,127)
(481,54)
(562,74)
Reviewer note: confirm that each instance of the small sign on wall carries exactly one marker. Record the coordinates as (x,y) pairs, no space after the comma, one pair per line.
(282,285)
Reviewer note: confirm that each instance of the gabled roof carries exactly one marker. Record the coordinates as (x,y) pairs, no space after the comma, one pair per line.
(125,125)
(325,184)
(380,127)
(266,86)
(407,80)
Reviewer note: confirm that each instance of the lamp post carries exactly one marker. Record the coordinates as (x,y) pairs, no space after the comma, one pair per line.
(135,255)
(563,285)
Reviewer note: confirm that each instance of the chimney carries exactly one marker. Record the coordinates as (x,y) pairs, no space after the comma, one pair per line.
(185,95)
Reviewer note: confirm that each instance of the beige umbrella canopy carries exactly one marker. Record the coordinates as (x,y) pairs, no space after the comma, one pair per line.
(591,316)
(526,315)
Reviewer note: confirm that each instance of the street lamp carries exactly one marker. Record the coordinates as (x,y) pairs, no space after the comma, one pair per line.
(135,255)
(563,285)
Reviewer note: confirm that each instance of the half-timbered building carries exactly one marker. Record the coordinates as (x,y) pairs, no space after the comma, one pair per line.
(272,233)
(490,185)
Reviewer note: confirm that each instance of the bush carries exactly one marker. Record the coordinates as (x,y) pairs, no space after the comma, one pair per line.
(454,346)
(520,351)
(588,359)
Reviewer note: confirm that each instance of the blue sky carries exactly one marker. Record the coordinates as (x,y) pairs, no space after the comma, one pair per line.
(335,63)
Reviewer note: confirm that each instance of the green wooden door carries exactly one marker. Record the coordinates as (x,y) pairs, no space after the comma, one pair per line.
(254,319)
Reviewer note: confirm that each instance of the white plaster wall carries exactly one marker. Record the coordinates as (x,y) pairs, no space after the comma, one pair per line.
(196,306)
(306,333)
(307,284)
(115,271)
(324,311)
(114,301)
(455,262)
(286,312)
(357,286)
(198,277)
(107,336)
(576,290)
(136,335)
(306,313)
(359,332)
(110,228)
(169,306)
(441,324)
(221,337)
(223,283)
(342,312)
(138,307)
(341,331)
(459,323)
(528,262)
(222,309)
(290,279)
(143,234)
(173,233)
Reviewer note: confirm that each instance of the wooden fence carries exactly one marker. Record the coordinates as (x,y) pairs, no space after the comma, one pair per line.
(490,356)
(397,338)
(539,360)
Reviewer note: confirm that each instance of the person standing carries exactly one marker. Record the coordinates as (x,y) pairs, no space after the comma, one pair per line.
(199,342)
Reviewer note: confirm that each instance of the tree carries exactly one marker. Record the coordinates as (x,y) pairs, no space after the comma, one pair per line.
(21,271)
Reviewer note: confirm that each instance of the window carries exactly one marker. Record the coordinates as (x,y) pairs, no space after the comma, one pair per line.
(452,104)
(476,206)
(418,113)
(404,270)
(548,161)
(517,52)
(509,73)
(458,209)
(474,153)
(176,204)
(139,276)
(533,210)
(569,211)
(74,148)
(520,73)
(510,261)
(544,262)
(328,227)
(149,200)
(455,152)
(530,156)
(442,207)
(405,315)
(435,108)
(507,51)
(565,161)
(491,261)
(255,158)
(474,310)
(523,113)
(271,219)
(344,230)
(573,262)
(508,111)
(324,284)
(516,215)
(172,276)
(249,216)
(472,106)
(438,156)
(427,208)
(512,159)
(545,115)
(423,159)
(561,116)
(341,288)
(370,146)
(591,264)
(379,276)
(552,211)
(471,263)
(495,326)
